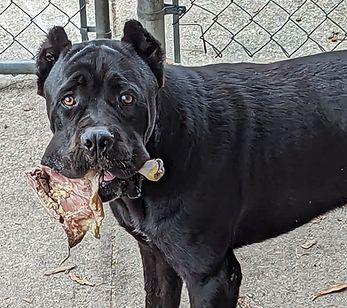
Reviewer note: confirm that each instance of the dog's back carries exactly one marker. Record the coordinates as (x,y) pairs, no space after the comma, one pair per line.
(286,126)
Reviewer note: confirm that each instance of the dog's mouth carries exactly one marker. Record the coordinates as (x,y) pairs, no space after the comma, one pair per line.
(112,187)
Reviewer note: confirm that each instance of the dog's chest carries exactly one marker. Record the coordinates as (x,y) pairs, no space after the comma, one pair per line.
(168,227)
(145,219)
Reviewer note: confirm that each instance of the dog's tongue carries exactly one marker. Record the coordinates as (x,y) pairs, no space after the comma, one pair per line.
(107,176)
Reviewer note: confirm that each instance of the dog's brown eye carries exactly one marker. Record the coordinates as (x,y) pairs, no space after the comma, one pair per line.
(127,99)
(69,101)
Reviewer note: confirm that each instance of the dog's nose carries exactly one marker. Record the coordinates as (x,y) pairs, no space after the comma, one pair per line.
(96,140)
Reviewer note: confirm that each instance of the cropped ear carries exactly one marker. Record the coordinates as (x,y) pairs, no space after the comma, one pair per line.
(49,52)
(146,46)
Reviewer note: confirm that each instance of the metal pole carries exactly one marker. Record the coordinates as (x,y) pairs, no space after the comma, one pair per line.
(176,35)
(83,16)
(17,67)
(151,15)
(102,19)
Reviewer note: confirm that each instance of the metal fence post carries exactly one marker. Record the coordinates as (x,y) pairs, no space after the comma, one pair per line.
(84,23)
(176,34)
(151,15)
(102,19)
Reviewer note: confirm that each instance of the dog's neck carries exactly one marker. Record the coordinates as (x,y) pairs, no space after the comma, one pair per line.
(177,134)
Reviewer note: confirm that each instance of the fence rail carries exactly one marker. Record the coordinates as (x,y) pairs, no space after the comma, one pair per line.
(23,25)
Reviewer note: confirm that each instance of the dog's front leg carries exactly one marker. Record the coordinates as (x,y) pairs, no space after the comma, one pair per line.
(162,284)
(219,289)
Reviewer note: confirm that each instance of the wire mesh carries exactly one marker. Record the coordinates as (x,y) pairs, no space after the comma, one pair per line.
(293,27)
(23,24)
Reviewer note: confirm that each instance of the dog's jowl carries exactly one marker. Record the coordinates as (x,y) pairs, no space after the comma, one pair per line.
(250,151)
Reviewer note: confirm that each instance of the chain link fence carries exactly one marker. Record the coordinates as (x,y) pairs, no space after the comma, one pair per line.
(24,24)
(203,30)
(262,29)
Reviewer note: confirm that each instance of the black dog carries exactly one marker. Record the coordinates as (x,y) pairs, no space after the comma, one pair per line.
(251,151)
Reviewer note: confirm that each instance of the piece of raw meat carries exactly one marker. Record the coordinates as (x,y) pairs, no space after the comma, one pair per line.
(74,202)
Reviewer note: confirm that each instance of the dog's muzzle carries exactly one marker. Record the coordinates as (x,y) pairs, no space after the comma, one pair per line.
(97,141)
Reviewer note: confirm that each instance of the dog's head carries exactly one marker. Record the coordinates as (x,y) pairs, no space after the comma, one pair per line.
(101,101)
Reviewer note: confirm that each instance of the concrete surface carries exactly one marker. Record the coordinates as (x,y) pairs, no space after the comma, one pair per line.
(277,273)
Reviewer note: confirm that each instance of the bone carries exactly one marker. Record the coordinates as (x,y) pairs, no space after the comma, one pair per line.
(153,169)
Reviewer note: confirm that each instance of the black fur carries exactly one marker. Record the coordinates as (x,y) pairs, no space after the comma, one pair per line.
(147,48)
(251,152)
(56,42)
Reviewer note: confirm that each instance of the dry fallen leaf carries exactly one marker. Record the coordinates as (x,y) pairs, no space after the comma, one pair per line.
(318,219)
(308,244)
(59,270)
(28,300)
(334,36)
(80,280)
(334,288)
(244,302)
(28,108)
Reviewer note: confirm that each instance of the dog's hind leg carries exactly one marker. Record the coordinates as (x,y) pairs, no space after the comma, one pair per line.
(217,290)
(162,284)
